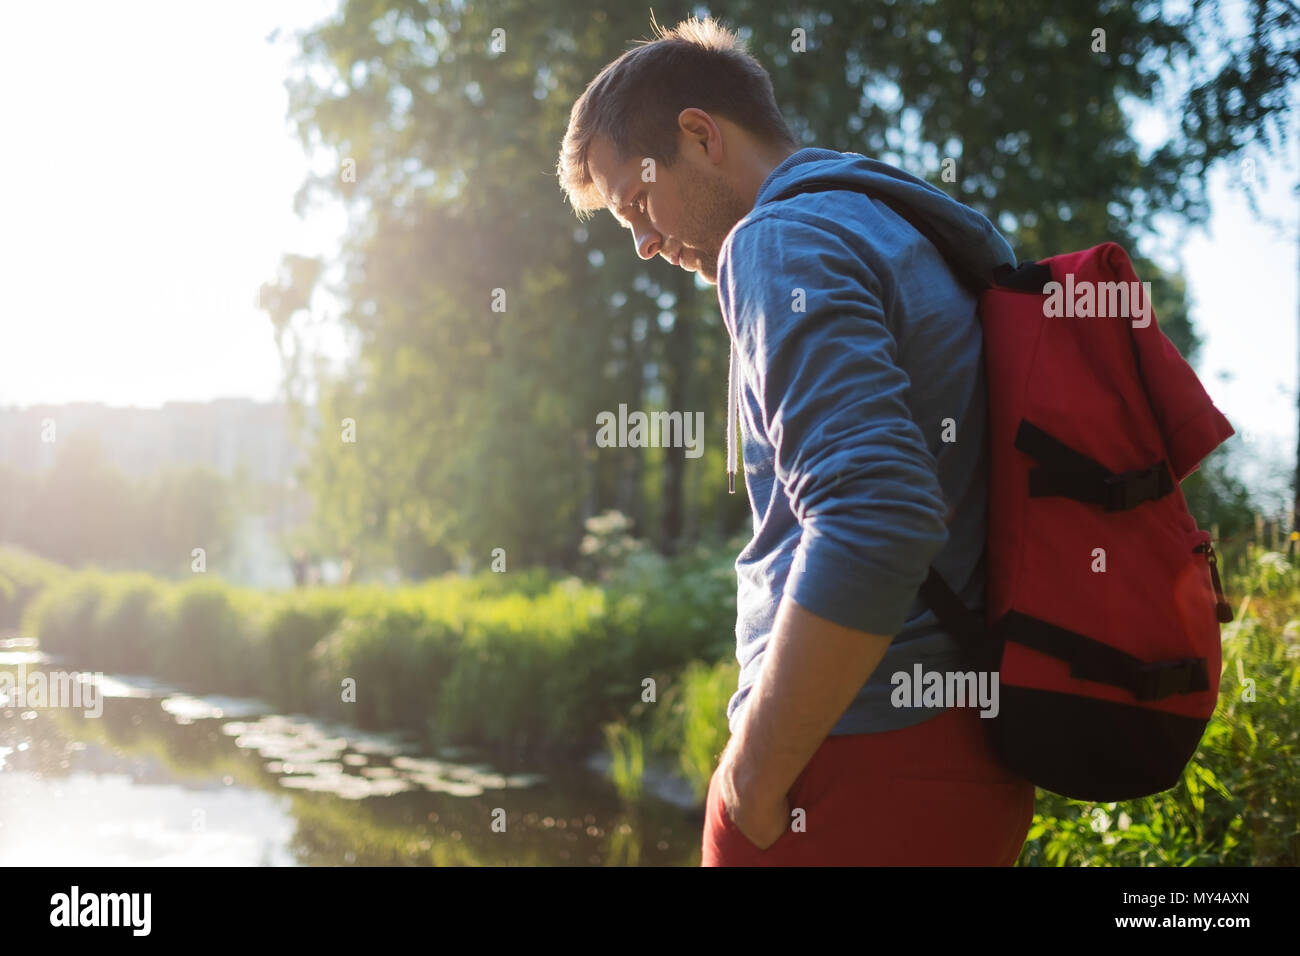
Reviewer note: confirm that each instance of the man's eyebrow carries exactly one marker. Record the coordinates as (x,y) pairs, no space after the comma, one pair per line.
(617,205)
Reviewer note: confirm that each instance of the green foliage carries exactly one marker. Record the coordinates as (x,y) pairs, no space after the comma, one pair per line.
(84,510)
(479,412)
(608,544)
(561,666)
(179,509)
(1216,497)
(539,662)
(691,722)
(22,576)
(627,752)
(63,615)
(295,625)
(1243,97)
(683,608)
(213,637)
(398,652)
(131,626)
(8,598)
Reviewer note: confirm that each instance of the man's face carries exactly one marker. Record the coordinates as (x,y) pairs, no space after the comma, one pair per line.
(683,215)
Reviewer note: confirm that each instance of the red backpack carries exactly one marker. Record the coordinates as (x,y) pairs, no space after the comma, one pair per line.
(1103,598)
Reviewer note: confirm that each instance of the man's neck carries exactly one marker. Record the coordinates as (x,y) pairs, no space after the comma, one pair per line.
(762,167)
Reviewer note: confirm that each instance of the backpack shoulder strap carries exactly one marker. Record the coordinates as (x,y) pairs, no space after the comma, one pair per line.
(971,281)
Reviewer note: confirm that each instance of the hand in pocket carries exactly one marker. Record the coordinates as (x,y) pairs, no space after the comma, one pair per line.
(762,823)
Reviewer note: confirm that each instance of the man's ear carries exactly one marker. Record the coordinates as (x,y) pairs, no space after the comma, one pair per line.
(700,132)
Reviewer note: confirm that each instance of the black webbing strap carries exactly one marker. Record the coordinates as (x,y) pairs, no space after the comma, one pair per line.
(1071,474)
(1088,659)
(1095,661)
(964,623)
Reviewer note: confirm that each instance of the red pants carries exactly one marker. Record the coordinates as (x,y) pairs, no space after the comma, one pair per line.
(933,794)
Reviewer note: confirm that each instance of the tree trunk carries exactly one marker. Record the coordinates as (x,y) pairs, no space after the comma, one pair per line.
(678,391)
(631,499)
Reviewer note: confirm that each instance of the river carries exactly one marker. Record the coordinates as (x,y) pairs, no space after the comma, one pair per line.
(162,777)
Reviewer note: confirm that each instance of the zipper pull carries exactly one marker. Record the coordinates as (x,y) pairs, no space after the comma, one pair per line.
(1222,609)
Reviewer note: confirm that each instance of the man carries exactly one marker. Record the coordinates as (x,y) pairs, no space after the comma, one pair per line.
(857,372)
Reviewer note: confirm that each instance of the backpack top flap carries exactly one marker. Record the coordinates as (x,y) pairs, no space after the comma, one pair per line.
(1189,422)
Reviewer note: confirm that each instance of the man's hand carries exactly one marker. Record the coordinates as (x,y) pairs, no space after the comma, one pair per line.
(760,820)
(812,670)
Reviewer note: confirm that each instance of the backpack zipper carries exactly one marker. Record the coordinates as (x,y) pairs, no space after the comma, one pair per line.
(1222,609)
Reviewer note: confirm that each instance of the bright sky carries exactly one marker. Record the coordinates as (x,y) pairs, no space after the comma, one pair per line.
(1243,276)
(149,172)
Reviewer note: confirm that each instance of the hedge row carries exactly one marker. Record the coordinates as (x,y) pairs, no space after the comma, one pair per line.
(516,660)
(526,661)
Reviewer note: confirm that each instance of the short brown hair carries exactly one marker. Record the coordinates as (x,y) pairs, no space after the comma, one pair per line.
(634,101)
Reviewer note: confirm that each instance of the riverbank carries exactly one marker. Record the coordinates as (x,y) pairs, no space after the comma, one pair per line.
(164,777)
(524,662)
(632,677)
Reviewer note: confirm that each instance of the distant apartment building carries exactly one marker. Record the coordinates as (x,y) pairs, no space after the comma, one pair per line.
(221,434)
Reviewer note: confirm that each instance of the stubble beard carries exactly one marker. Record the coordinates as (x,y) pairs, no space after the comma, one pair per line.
(710,208)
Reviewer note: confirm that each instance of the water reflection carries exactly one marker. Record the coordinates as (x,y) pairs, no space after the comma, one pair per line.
(168,778)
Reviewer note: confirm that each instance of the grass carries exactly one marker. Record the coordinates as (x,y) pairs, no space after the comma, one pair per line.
(643,664)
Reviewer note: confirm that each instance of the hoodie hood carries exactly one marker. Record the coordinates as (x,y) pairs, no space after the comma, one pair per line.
(981,247)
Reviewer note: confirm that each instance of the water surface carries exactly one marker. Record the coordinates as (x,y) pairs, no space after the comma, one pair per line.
(167,778)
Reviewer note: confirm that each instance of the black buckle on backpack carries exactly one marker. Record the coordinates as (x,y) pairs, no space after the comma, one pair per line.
(1161,678)
(1130,488)
(1069,473)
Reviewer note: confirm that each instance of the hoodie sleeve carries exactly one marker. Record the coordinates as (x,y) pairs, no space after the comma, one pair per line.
(860,480)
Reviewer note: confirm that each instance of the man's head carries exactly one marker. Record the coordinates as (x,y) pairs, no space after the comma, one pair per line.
(674,138)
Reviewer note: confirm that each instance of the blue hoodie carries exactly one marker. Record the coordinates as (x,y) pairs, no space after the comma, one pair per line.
(855,353)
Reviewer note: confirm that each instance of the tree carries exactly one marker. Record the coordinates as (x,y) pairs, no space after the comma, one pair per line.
(1242,99)
(493,326)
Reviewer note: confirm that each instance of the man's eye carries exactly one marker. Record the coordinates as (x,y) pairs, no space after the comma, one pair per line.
(640,205)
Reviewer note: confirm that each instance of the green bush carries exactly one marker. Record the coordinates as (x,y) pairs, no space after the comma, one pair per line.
(559,664)
(397,652)
(529,671)
(130,625)
(9,609)
(23,575)
(214,641)
(295,625)
(690,722)
(63,616)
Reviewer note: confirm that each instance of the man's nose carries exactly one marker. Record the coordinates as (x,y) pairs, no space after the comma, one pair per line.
(648,243)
